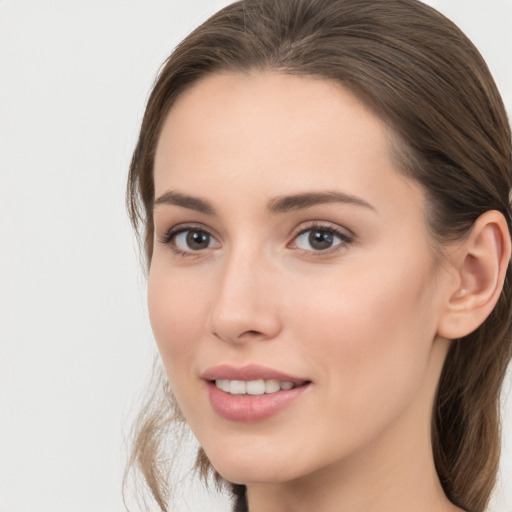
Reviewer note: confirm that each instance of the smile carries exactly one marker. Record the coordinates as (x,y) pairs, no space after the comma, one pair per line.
(252,393)
(253,387)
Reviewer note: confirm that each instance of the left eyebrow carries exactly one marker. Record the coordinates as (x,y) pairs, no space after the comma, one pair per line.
(295,202)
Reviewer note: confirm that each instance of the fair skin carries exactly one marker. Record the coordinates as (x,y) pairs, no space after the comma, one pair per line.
(340,289)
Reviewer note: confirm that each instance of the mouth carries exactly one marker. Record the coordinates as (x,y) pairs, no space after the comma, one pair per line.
(251,393)
(255,387)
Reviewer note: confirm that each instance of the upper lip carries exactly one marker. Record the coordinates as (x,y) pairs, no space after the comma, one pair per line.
(248,372)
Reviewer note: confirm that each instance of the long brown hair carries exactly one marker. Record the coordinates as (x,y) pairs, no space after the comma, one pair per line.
(420,74)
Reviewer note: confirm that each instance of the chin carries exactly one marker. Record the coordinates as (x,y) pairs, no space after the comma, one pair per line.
(263,474)
(255,466)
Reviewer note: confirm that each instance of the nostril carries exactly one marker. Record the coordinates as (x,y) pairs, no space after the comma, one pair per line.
(250,335)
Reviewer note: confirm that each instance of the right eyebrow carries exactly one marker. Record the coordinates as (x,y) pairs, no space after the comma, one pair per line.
(190,202)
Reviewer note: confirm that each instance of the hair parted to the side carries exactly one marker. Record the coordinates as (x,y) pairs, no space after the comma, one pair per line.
(419,73)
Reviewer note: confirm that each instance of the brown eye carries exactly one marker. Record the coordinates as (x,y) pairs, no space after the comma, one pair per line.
(193,240)
(320,239)
(197,240)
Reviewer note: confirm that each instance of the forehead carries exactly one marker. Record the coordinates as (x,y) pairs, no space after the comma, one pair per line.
(274,133)
(269,102)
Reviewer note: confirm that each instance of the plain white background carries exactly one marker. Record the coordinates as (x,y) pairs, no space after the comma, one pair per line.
(76,346)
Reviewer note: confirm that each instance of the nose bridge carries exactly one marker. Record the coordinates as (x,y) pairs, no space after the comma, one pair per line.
(244,307)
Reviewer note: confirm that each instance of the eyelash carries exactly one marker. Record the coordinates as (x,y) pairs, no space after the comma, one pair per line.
(345,239)
(171,234)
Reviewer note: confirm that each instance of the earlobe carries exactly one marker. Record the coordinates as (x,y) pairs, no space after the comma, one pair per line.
(481,262)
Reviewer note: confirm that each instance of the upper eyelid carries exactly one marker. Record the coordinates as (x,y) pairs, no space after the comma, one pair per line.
(185,226)
(325,225)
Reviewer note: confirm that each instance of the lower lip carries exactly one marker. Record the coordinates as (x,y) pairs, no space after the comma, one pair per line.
(251,408)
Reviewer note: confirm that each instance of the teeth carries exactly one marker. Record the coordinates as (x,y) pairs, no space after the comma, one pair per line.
(238,387)
(223,384)
(271,386)
(253,387)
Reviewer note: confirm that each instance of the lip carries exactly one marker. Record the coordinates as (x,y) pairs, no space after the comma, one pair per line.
(248,372)
(251,408)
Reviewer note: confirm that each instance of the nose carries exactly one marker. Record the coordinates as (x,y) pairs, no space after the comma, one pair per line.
(246,305)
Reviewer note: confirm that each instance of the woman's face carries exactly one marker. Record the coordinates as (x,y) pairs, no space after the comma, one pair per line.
(290,252)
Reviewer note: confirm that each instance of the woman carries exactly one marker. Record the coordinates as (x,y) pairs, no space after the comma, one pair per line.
(323,190)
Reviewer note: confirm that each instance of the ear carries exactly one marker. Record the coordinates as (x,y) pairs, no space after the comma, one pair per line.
(480,262)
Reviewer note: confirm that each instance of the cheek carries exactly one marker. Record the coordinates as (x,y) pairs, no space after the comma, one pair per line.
(177,318)
(370,336)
